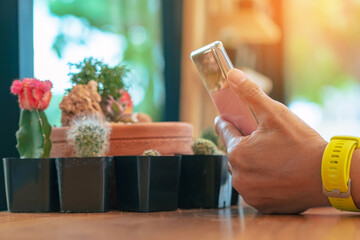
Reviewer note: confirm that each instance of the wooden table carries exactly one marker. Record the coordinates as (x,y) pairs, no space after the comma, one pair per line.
(231,223)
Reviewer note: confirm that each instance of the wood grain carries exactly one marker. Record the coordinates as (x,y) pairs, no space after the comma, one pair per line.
(231,223)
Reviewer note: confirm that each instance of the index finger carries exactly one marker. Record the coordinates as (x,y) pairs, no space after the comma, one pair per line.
(228,133)
(250,93)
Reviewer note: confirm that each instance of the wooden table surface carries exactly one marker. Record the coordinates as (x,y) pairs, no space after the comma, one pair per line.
(230,223)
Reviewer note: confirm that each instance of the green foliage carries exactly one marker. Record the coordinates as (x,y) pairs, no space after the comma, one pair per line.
(53,112)
(89,136)
(151,152)
(96,12)
(33,136)
(122,17)
(110,80)
(312,59)
(204,147)
(209,134)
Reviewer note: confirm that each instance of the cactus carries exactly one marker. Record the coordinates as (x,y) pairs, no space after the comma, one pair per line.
(114,109)
(203,146)
(115,100)
(151,152)
(81,100)
(209,134)
(89,136)
(33,136)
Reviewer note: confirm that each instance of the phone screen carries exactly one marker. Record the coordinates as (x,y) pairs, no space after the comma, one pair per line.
(213,65)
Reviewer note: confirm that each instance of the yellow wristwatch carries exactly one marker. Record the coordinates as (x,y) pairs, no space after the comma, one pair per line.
(335,172)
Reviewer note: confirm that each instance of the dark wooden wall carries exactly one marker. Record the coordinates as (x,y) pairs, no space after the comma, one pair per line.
(16,61)
(172,12)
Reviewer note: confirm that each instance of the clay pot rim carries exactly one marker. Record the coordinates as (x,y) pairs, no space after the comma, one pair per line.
(137,130)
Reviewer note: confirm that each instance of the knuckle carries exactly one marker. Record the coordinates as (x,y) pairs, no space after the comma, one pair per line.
(233,146)
(233,155)
(280,114)
(282,109)
(218,124)
(252,91)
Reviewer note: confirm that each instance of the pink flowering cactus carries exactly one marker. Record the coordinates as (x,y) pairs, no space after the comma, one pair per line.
(126,99)
(33,93)
(114,109)
(33,136)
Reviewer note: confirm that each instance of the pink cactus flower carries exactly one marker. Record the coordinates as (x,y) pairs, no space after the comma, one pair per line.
(125,98)
(33,93)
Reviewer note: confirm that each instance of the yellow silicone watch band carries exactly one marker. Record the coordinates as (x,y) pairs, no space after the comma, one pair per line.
(335,171)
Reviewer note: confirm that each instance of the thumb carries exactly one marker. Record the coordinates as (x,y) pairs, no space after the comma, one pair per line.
(249,92)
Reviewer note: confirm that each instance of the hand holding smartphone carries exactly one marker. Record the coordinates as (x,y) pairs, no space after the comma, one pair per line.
(213,65)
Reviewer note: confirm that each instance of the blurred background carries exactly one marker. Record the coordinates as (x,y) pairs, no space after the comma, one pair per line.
(118,32)
(303,53)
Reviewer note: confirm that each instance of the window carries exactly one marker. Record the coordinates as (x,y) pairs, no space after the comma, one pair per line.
(116,31)
(322,45)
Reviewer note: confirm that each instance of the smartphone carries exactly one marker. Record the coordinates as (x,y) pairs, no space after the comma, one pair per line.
(213,65)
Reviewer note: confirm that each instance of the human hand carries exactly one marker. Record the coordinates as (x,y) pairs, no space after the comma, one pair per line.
(276,169)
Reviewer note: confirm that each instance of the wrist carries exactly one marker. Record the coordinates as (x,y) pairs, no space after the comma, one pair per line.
(321,200)
(354,176)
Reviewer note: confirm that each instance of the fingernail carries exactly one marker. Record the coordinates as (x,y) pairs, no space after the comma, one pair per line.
(236,77)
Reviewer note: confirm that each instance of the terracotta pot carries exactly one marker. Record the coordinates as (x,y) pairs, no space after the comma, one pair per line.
(168,138)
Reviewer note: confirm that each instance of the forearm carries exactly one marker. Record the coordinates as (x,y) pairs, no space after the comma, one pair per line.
(355,177)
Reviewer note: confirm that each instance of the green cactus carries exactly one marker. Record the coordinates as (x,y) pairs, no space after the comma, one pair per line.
(89,136)
(209,134)
(203,146)
(151,152)
(113,109)
(33,136)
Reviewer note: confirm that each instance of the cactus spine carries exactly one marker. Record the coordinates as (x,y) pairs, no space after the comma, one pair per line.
(203,146)
(89,136)
(151,152)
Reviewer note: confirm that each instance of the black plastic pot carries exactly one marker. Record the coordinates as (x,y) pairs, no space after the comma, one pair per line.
(83,184)
(234,197)
(204,182)
(147,183)
(31,185)
(112,187)
(2,189)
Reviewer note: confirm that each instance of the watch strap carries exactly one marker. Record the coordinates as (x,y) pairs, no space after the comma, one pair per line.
(335,171)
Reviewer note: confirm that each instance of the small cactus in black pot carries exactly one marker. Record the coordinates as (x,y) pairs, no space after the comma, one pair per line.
(151,152)
(89,136)
(84,179)
(203,146)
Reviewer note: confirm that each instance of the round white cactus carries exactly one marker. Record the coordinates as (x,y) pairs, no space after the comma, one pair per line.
(89,136)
